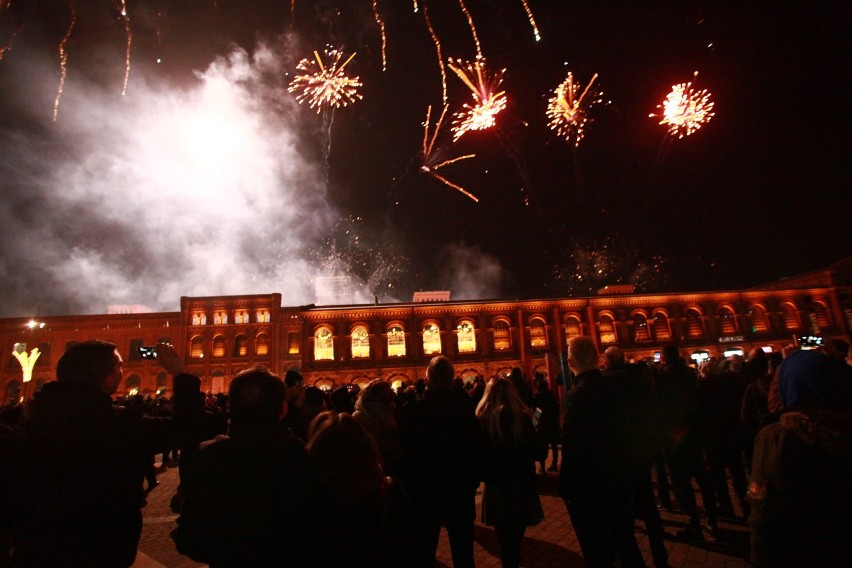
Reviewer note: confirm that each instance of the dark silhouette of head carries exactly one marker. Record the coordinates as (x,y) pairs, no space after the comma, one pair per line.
(671,354)
(87,364)
(440,373)
(256,396)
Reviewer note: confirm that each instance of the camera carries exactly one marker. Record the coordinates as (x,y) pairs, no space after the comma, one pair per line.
(147,352)
(810,341)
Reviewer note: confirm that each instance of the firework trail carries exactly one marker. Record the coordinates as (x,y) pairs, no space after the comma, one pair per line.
(531,18)
(121,6)
(472,28)
(8,45)
(488,101)
(381,24)
(63,57)
(431,160)
(437,49)
(569,113)
(324,85)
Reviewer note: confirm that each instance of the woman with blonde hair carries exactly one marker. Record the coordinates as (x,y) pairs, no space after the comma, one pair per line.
(510,501)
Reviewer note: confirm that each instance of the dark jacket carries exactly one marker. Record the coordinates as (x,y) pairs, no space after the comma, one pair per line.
(80,461)
(245,497)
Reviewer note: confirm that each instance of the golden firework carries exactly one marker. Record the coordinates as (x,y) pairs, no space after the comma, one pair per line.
(569,113)
(685,109)
(324,84)
(483,85)
(432,159)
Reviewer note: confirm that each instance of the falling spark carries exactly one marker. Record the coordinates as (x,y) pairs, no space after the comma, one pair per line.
(531,18)
(437,49)
(483,86)
(685,109)
(568,113)
(122,7)
(324,85)
(416,7)
(472,28)
(381,24)
(63,58)
(431,160)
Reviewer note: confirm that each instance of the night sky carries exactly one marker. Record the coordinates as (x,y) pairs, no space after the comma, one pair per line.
(208,177)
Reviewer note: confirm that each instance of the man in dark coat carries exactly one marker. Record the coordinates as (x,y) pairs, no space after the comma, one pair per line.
(245,493)
(80,461)
(439,434)
(595,477)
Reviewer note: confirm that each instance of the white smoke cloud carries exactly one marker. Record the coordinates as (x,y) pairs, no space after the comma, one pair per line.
(470,273)
(162,193)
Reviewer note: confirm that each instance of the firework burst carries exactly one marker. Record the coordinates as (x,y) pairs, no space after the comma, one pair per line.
(324,84)
(489,102)
(569,113)
(685,109)
(432,159)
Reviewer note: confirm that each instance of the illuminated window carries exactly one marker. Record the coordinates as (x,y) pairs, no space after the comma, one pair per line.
(757,317)
(133,383)
(573,328)
(219,346)
(640,328)
(241,317)
(661,327)
(162,382)
(694,325)
(199,318)
(240,346)
(820,319)
(538,333)
(220,318)
(323,345)
(431,339)
(727,322)
(360,342)
(790,316)
(263,317)
(466,337)
(396,342)
(196,348)
(502,335)
(261,345)
(294,343)
(607,327)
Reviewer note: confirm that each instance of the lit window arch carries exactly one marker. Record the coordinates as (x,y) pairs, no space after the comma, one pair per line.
(360,342)
(431,338)
(219,346)
(396,340)
(694,324)
(262,316)
(790,315)
(323,344)
(502,334)
(196,347)
(573,327)
(662,331)
(757,317)
(199,318)
(325,385)
(466,335)
(727,321)
(240,345)
(641,333)
(261,344)
(607,328)
(820,318)
(538,333)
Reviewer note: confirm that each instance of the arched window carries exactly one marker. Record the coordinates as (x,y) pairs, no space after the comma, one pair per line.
(538,334)
(261,344)
(132,384)
(220,318)
(219,346)
(790,316)
(325,385)
(727,321)
(607,329)
(757,317)
(502,335)
(323,345)
(240,346)
(199,318)
(431,339)
(694,325)
(466,337)
(196,348)
(662,331)
(262,316)
(820,319)
(573,328)
(241,317)
(360,342)
(640,328)
(396,341)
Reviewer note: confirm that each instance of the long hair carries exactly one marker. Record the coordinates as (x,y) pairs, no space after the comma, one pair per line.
(502,412)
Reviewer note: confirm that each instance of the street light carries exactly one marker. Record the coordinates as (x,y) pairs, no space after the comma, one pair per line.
(27,361)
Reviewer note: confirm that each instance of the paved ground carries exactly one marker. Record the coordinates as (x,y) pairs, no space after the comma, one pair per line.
(552,543)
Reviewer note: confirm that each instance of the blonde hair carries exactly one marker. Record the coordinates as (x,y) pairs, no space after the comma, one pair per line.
(502,412)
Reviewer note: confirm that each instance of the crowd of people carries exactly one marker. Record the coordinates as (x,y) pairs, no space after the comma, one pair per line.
(277,473)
